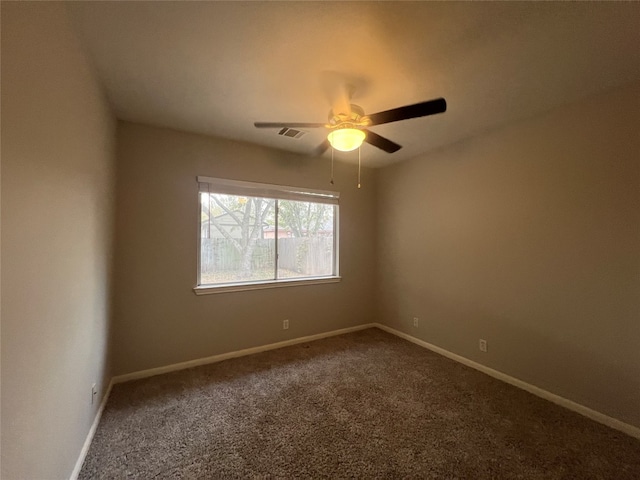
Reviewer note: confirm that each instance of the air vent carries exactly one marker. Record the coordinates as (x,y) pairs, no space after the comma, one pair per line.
(291,132)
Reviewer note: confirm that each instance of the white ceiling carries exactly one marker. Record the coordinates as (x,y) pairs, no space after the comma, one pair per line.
(216,67)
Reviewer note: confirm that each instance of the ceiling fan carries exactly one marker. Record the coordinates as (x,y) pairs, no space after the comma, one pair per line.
(348,125)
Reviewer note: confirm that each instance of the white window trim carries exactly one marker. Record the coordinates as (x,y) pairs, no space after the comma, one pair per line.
(261,285)
(280,192)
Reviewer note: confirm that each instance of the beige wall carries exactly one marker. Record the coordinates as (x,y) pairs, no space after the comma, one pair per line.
(57,161)
(158,318)
(528,237)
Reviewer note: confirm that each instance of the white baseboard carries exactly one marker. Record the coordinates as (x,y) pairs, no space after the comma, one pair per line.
(539,392)
(552,397)
(239,353)
(92,432)
(194,363)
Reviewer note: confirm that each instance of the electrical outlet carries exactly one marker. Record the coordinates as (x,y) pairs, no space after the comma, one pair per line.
(483,345)
(415,321)
(285,324)
(94,393)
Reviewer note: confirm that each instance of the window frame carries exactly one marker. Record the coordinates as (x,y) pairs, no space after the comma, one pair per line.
(275,192)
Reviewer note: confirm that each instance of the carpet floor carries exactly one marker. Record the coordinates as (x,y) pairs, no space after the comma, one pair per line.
(361,405)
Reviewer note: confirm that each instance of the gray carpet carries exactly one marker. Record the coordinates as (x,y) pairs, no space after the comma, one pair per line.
(362,405)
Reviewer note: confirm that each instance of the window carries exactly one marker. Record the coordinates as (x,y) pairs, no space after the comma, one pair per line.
(255,235)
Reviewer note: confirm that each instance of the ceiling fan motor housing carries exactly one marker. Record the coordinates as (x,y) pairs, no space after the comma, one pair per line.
(354,119)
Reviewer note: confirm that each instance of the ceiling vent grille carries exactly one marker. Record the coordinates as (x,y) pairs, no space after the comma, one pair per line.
(291,132)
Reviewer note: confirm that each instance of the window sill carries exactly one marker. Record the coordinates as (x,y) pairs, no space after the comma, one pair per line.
(241,287)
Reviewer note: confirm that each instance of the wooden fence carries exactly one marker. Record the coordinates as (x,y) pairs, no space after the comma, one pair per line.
(304,256)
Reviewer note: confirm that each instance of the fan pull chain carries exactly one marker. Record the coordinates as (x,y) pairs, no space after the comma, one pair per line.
(331,182)
(358,167)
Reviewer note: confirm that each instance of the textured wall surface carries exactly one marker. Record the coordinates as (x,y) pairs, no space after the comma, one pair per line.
(57,200)
(158,318)
(528,237)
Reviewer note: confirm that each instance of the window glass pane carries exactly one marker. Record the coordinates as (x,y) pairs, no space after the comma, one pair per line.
(305,239)
(237,243)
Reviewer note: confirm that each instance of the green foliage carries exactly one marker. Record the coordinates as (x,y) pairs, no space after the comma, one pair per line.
(304,219)
(241,222)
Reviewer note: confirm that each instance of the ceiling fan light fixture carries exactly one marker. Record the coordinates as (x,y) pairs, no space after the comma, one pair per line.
(346,139)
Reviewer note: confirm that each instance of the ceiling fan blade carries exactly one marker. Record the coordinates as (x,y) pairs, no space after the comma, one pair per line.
(381,142)
(431,107)
(290,125)
(323,147)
